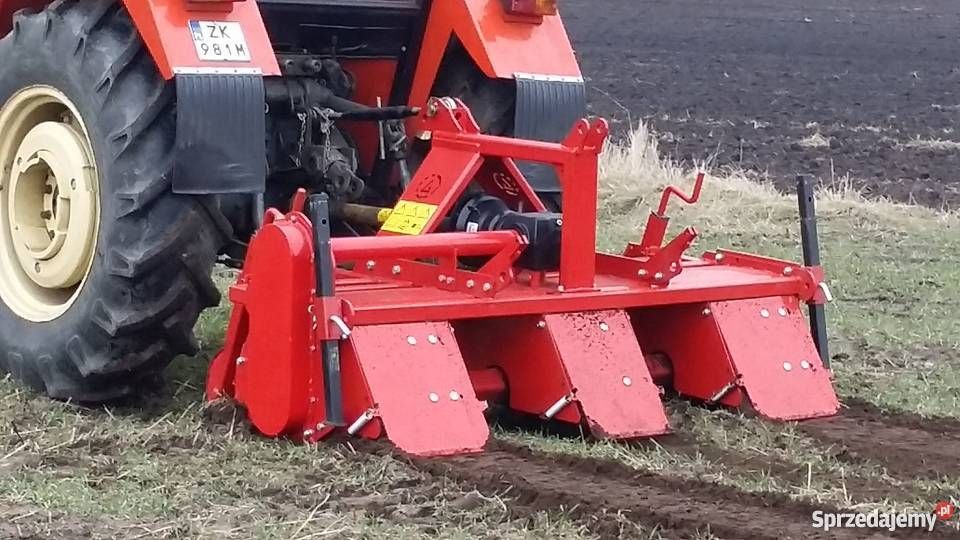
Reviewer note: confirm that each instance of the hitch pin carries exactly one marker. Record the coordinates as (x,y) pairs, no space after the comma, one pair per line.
(558,406)
(339,323)
(361,422)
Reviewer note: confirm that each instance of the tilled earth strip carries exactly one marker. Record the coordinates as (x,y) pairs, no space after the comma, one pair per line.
(908,446)
(599,492)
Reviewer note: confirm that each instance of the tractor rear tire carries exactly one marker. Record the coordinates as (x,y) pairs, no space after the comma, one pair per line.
(78,74)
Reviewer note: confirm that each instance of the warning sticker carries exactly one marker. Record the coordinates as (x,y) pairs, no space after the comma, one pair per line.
(409,217)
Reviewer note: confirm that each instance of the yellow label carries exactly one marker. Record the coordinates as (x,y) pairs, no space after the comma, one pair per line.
(409,217)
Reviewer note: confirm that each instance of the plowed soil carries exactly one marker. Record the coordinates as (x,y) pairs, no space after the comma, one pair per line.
(908,446)
(746,83)
(602,493)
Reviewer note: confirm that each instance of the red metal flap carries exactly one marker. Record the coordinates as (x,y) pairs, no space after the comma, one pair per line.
(418,382)
(770,347)
(605,365)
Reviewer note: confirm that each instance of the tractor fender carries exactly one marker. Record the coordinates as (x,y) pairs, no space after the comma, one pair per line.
(502,47)
(550,92)
(220,104)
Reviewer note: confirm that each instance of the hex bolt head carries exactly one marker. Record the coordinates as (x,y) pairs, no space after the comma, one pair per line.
(395,269)
(706,312)
(765,313)
(450,281)
(433,339)
(627,381)
(454,395)
(658,276)
(782,311)
(787,366)
(642,273)
(541,324)
(604,327)
(434,397)
(241,360)
(411,340)
(804,364)
(487,287)
(371,265)
(471,283)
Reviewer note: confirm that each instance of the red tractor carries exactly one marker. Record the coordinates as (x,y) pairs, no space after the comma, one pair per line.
(142,139)
(412,196)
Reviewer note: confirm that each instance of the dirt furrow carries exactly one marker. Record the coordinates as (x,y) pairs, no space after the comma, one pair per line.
(908,446)
(597,491)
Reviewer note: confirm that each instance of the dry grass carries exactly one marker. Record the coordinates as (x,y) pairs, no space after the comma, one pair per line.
(165,469)
(815,140)
(935,145)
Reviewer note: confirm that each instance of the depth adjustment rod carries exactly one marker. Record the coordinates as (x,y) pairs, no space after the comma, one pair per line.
(318,210)
(810,240)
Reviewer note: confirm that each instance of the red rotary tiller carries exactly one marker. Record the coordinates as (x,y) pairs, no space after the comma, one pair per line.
(409,334)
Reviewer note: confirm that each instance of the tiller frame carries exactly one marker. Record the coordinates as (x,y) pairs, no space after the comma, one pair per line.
(393,335)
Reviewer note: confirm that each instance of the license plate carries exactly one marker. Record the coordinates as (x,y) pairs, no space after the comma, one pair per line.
(219,41)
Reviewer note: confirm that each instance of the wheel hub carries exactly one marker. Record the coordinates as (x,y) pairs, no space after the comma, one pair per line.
(49,203)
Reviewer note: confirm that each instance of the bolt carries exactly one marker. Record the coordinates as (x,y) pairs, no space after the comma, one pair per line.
(307,433)
(434,397)
(787,366)
(371,265)
(313,348)
(411,340)
(46,214)
(450,281)
(321,426)
(706,312)
(764,313)
(241,360)
(487,287)
(604,327)
(787,271)
(642,273)
(719,257)
(471,283)
(673,267)
(804,364)
(627,381)
(541,324)
(658,276)
(441,278)
(559,223)
(47,189)
(782,311)
(433,339)
(454,395)
(313,399)
(396,269)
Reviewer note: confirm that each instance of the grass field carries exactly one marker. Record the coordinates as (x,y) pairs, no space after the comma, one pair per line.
(167,467)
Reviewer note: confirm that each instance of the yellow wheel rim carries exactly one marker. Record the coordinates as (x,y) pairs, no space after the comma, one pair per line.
(49,203)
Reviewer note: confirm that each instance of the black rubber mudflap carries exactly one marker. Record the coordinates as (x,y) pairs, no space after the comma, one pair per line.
(220,134)
(547,109)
